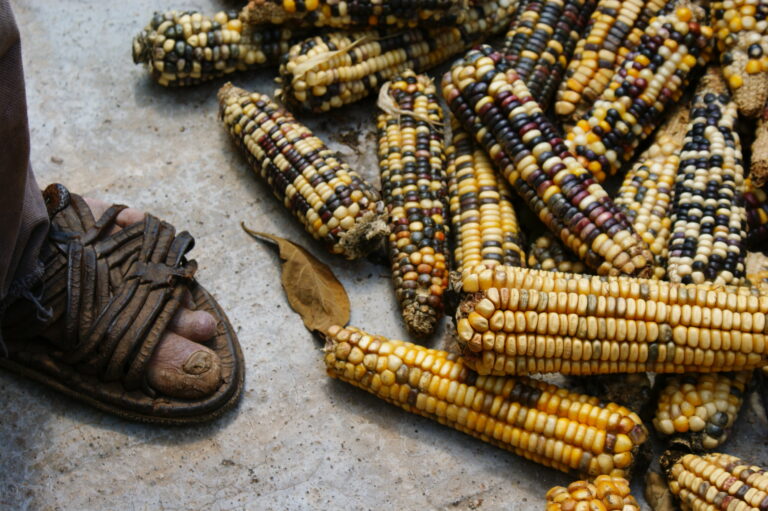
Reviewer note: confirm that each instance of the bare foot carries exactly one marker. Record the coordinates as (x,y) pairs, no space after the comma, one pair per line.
(180,366)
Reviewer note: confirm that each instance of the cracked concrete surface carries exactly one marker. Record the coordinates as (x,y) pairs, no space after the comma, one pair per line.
(298,440)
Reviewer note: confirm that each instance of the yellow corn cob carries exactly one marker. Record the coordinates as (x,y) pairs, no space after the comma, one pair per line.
(741,27)
(716,482)
(334,203)
(522,321)
(547,253)
(494,104)
(596,55)
(339,68)
(605,493)
(708,241)
(183,48)
(570,432)
(354,13)
(540,42)
(758,166)
(648,188)
(649,82)
(698,410)
(482,215)
(414,188)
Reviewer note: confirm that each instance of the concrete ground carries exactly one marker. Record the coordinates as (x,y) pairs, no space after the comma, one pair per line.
(298,440)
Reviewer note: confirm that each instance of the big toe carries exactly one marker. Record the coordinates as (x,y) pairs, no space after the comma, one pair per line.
(184,369)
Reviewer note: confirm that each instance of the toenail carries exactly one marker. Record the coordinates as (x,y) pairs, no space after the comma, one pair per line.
(198,363)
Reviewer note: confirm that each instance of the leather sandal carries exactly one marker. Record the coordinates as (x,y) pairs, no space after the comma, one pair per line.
(110,298)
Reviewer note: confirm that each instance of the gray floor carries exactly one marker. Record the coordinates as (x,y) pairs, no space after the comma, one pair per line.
(298,440)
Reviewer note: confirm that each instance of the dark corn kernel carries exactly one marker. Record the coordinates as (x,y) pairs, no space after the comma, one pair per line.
(571,432)
(484,222)
(522,321)
(335,205)
(413,184)
(605,493)
(756,207)
(183,48)
(648,83)
(708,241)
(607,40)
(540,42)
(485,93)
(700,409)
(339,68)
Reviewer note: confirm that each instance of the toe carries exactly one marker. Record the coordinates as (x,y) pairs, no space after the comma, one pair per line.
(198,326)
(129,216)
(184,369)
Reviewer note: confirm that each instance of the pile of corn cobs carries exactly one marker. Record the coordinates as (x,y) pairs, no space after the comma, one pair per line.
(577,91)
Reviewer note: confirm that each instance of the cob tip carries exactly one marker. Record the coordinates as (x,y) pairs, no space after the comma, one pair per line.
(365,236)
(419,319)
(141,48)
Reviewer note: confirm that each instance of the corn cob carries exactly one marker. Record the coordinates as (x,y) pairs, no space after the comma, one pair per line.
(335,205)
(547,253)
(649,81)
(605,493)
(758,166)
(354,13)
(483,218)
(521,321)
(493,103)
(183,48)
(756,207)
(741,27)
(339,68)
(598,53)
(708,241)
(413,183)
(715,482)
(570,432)
(540,42)
(648,188)
(698,410)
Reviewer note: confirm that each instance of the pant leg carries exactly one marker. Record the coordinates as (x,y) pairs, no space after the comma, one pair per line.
(23,217)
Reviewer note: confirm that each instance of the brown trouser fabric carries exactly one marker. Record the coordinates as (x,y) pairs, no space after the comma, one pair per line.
(23,218)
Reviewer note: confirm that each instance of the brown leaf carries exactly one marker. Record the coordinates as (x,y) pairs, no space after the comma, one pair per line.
(313,291)
(657,492)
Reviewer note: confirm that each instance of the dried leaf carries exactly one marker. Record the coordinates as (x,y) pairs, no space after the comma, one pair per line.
(313,291)
(657,492)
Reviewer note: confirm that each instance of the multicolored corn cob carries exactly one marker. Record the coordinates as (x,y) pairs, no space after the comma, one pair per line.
(698,410)
(756,207)
(335,205)
(716,482)
(648,187)
(570,432)
(485,93)
(414,187)
(758,165)
(355,13)
(547,253)
(741,27)
(601,51)
(484,222)
(647,84)
(540,42)
(335,69)
(709,222)
(605,493)
(521,321)
(183,48)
